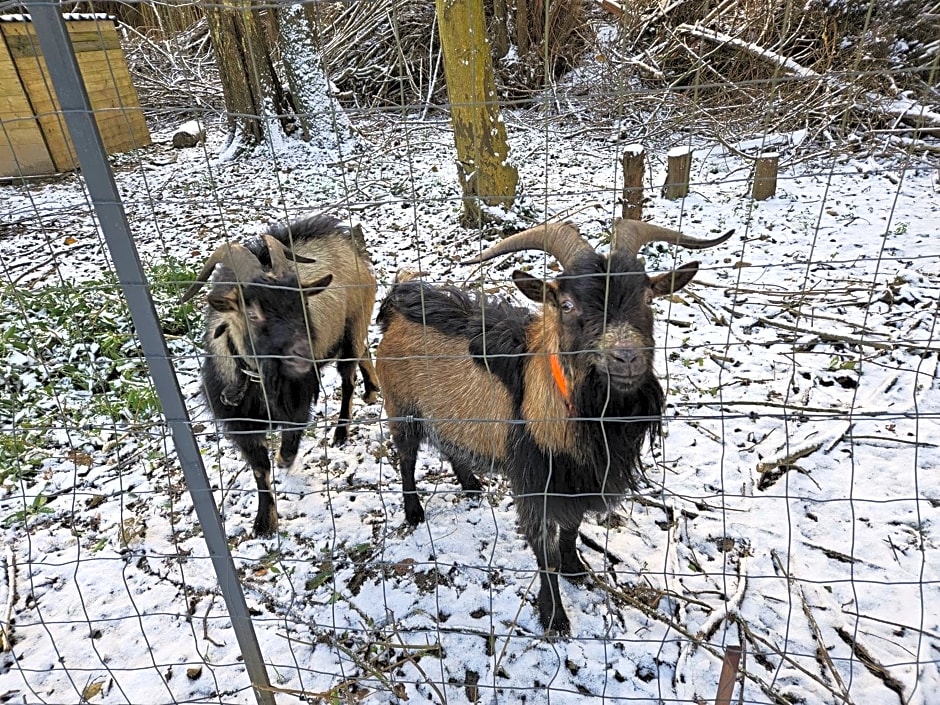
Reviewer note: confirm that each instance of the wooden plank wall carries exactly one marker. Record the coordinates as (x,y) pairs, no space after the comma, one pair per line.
(107,81)
(22,146)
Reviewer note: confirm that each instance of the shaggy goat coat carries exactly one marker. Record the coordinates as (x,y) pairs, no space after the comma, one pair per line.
(474,377)
(266,339)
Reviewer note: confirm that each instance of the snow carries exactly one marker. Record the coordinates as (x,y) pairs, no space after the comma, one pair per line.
(794,494)
(680,151)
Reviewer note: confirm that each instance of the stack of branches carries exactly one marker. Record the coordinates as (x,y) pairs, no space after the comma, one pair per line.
(164,18)
(175,73)
(832,67)
(383,53)
(550,38)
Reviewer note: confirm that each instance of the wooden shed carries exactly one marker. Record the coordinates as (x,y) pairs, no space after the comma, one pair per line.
(33,136)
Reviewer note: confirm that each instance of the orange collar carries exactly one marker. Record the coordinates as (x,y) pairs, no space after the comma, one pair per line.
(560,380)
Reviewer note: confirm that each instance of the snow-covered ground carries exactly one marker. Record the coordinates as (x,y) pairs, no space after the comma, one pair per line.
(793,499)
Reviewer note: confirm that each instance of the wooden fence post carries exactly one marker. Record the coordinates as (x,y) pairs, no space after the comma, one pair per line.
(729,674)
(765,176)
(677,173)
(634,169)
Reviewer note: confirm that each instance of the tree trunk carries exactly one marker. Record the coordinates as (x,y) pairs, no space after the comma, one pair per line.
(634,171)
(765,176)
(479,133)
(500,29)
(320,117)
(255,100)
(522,26)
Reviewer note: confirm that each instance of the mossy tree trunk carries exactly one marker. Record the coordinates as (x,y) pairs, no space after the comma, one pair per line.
(483,166)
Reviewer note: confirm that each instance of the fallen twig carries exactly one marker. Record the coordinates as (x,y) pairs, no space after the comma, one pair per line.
(656,615)
(895,624)
(835,337)
(6,626)
(205,623)
(794,454)
(783,656)
(822,653)
(871,663)
(765,54)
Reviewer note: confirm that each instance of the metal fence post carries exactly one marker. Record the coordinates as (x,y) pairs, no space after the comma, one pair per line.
(76,107)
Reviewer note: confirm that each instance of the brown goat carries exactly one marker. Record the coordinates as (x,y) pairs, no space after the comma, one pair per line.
(559,400)
(280,308)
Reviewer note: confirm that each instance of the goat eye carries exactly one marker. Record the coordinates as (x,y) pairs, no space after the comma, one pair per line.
(567,306)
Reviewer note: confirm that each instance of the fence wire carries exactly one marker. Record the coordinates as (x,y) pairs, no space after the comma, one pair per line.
(789,503)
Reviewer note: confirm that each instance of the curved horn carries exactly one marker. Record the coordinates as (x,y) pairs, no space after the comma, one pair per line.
(279,259)
(631,235)
(561,240)
(236,257)
(299,259)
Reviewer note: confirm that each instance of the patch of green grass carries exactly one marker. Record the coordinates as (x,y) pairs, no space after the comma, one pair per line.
(35,508)
(20,456)
(70,362)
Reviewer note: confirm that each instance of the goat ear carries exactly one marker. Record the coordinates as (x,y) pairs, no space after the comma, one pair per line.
(315,287)
(224,297)
(534,288)
(664,284)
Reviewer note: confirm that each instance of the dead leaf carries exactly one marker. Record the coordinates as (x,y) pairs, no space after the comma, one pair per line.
(79,458)
(404,567)
(92,689)
(131,530)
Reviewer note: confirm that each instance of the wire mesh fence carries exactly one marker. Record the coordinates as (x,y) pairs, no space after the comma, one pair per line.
(787,507)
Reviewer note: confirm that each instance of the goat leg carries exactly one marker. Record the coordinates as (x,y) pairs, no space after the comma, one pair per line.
(290,444)
(543,538)
(407,438)
(347,374)
(572,567)
(464,472)
(256,453)
(370,380)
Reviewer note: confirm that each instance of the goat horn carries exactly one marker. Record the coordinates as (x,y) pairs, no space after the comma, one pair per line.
(238,258)
(631,235)
(279,259)
(299,259)
(561,240)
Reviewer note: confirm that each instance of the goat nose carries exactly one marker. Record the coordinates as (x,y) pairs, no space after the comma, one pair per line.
(299,346)
(301,351)
(627,356)
(298,358)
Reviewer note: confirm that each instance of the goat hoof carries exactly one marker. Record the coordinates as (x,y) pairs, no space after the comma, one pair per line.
(557,627)
(264,527)
(415,515)
(472,485)
(574,570)
(284,461)
(575,577)
(370,397)
(339,438)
